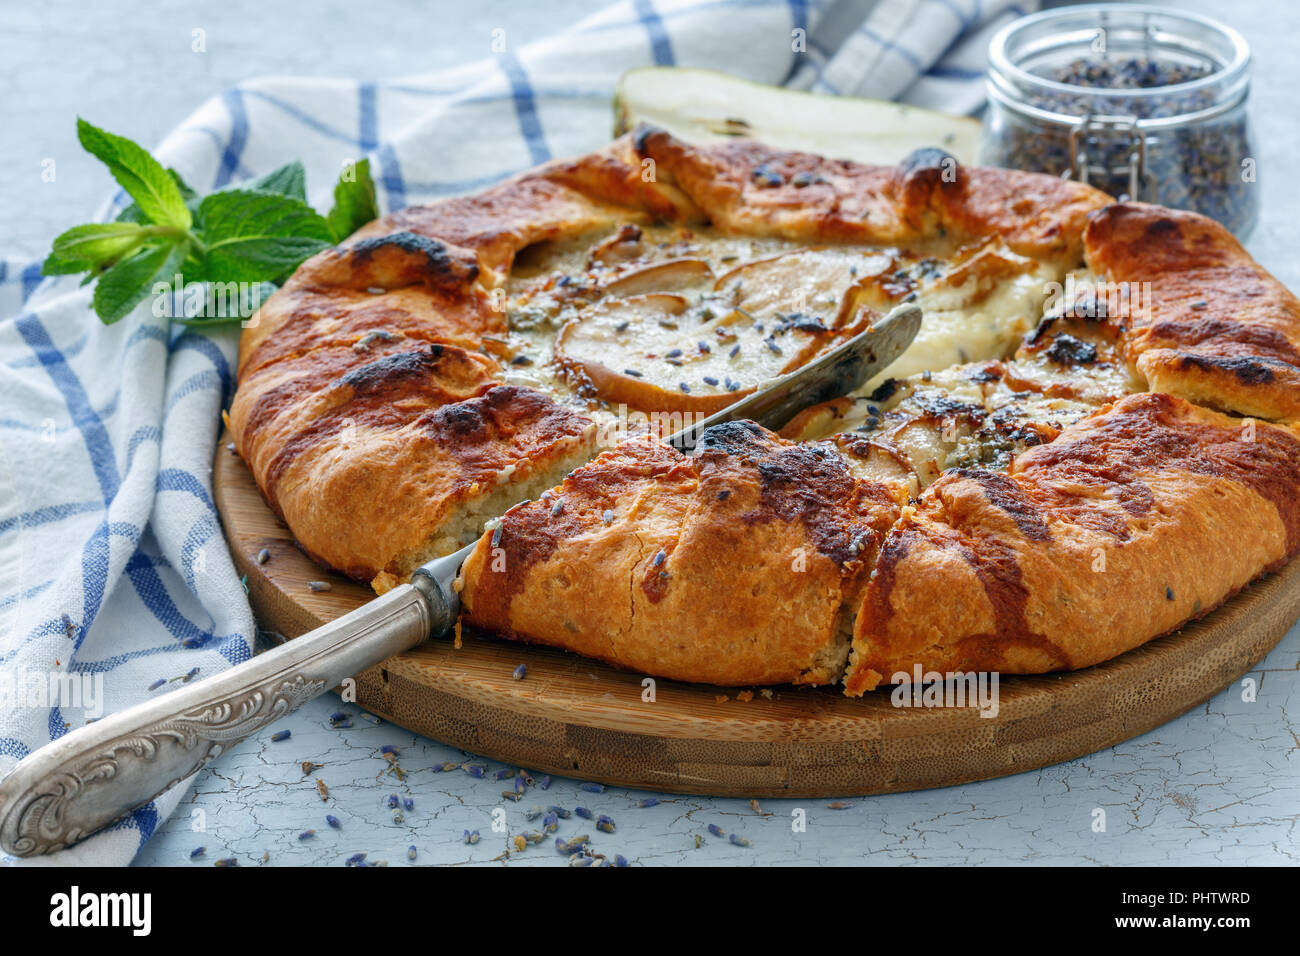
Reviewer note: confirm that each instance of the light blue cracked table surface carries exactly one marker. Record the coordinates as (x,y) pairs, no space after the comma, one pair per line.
(1219,785)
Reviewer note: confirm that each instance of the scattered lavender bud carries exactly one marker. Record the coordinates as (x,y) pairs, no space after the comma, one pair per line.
(408,803)
(511,795)
(411,852)
(197,852)
(544,783)
(604,824)
(738,840)
(560,812)
(550,823)
(280,735)
(333,821)
(505,774)
(620,860)
(584,813)
(227,862)
(471,837)
(520,672)
(475,770)
(263,556)
(356,859)
(388,749)
(306,834)
(716,830)
(593,787)
(649,802)
(156,684)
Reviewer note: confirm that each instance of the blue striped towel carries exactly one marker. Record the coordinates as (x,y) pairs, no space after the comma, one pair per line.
(113,572)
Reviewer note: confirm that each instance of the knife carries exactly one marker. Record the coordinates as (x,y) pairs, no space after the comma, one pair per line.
(97,774)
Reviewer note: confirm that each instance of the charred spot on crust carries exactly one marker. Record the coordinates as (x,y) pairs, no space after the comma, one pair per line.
(392,369)
(440,267)
(805,484)
(1160,227)
(885,390)
(737,439)
(928,163)
(1249,371)
(1008,497)
(1200,328)
(1068,350)
(641,136)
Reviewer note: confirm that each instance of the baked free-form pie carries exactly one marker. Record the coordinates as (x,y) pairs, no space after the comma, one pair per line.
(1091,440)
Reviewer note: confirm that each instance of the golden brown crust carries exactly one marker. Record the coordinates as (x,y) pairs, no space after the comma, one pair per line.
(1109,536)
(1216,329)
(729,566)
(746,187)
(399,481)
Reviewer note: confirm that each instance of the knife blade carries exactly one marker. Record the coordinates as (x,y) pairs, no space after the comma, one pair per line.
(97,774)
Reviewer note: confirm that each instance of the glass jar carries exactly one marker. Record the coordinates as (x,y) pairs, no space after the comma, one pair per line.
(1142,102)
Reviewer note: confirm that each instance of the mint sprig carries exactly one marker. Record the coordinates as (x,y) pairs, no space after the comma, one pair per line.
(255,233)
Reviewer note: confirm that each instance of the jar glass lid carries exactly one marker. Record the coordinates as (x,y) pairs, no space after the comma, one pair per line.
(1147,65)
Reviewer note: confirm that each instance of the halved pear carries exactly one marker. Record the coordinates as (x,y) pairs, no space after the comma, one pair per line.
(705,106)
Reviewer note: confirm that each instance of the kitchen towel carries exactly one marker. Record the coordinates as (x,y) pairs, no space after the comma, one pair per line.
(115,581)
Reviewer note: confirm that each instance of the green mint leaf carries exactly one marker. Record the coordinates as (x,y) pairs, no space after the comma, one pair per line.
(252,236)
(235,305)
(128,283)
(289,180)
(133,213)
(143,178)
(354,201)
(93,247)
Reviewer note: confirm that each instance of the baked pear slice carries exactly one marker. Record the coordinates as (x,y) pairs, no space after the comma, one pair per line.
(661,351)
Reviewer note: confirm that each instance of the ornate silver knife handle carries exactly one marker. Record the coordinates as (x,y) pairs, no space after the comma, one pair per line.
(97,774)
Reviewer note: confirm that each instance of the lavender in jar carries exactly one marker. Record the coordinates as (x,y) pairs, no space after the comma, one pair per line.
(1140,102)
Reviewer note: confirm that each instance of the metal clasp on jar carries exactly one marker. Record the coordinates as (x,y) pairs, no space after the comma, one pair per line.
(1084,171)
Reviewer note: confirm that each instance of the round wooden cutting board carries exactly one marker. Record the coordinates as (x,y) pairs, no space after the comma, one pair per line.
(579,718)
